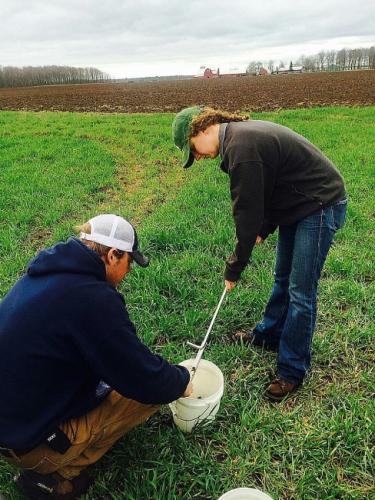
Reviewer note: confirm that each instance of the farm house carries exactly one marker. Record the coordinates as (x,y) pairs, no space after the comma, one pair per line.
(293,69)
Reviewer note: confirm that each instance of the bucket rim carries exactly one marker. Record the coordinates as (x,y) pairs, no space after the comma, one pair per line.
(261,494)
(202,363)
(208,364)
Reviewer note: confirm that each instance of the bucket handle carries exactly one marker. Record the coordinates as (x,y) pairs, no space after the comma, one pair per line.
(196,418)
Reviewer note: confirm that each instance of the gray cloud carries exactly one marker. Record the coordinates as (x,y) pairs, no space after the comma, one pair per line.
(168,36)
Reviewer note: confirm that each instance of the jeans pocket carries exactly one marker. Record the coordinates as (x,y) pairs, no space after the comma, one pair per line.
(339,214)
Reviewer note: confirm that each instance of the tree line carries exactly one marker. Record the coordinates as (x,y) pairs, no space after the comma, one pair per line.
(325,60)
(11,76)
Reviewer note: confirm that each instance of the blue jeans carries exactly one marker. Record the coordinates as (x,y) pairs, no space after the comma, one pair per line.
(290,315)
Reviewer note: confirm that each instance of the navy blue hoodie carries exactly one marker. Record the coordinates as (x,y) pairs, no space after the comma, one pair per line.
(63,329)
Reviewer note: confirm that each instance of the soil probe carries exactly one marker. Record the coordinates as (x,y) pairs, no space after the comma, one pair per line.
(201,347)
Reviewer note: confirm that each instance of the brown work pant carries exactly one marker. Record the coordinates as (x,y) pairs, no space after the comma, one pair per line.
(91,436)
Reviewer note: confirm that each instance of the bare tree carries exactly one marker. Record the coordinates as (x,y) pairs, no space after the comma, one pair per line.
(254,67)
(365,58)
(351,59)
(341,59)
(358,58)
(251,68)
(321,59)
(48,75)
(330,59)
(371,57)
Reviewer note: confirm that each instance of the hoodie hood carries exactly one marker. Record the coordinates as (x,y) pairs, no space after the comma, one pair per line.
(70,257)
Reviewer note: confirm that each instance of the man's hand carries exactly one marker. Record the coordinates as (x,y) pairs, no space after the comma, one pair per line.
(229,285)
(188,391)
(259,240)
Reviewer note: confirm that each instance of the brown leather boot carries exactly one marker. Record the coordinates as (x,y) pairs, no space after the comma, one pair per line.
(280,389)
(248,337)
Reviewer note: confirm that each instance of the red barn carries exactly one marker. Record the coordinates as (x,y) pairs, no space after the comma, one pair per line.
(209,73)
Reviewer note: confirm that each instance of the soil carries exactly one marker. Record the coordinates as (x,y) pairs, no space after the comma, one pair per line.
(249,93)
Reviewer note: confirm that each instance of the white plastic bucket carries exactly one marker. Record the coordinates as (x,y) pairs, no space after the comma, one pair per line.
(202,406)
(245,494)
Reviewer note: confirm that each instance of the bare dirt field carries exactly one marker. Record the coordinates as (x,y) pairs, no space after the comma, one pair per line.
(261,93)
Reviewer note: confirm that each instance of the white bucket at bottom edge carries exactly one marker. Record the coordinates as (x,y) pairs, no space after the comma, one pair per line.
(245,494)
(203,404)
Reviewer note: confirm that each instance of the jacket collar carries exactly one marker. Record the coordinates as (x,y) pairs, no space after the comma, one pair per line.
(222,131)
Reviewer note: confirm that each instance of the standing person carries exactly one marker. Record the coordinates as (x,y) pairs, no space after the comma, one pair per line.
(277,179)
(74,375)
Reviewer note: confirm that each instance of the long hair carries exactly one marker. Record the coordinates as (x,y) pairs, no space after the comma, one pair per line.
(210,117)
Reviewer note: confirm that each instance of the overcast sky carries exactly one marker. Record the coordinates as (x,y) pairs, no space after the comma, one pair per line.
(165,37)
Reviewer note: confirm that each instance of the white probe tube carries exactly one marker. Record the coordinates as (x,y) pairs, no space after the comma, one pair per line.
(203,344)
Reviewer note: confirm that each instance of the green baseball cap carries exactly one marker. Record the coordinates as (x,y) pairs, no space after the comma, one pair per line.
(181,130)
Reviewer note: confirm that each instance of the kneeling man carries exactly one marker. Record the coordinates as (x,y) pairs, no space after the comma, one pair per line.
(74,375)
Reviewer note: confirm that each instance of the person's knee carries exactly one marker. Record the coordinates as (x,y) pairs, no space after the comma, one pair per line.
(302,300)
(281,280)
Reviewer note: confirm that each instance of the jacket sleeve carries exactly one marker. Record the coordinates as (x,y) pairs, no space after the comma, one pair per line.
(267,229)
(247,193)
(128,366)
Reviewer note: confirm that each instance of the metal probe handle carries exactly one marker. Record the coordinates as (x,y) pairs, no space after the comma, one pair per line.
(201,347)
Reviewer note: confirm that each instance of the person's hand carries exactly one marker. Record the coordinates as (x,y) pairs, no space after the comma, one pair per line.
(188,391)
(259,240)
(229,285)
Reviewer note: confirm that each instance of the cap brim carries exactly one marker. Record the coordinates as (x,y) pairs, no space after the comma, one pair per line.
(140,259)
(187,157)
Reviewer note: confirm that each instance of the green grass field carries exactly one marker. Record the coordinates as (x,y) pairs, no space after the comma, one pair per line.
(59,169)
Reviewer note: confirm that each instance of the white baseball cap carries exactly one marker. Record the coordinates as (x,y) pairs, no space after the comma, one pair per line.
(114,231)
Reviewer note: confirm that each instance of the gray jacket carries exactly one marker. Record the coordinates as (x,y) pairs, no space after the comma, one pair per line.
(277,177)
